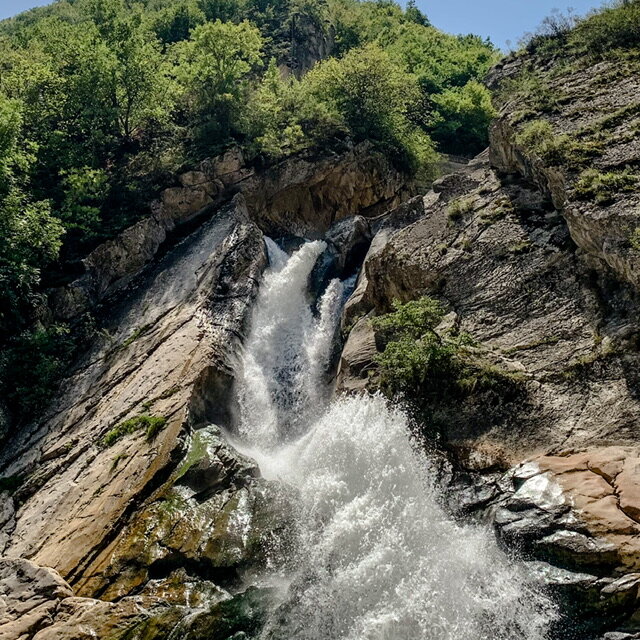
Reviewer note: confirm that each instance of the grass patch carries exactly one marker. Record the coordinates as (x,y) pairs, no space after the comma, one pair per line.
(520,247)
(609,30)
(457,208)
(498,212)
(152,425)
(466,245)
(601,187)
(539,138)
(533,89)
(611,121)
(634,239)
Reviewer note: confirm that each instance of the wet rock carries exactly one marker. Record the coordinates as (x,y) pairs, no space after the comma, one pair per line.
(179,320)
(574,549)
(211,464)
(347,243)
(234,617)
(213,519)
(350,239)
(358,356)
(588,604)
(5,421)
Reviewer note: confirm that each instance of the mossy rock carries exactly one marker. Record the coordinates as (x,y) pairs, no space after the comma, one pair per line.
(242,616)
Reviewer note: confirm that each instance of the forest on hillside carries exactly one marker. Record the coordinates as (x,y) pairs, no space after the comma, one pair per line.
(103,101)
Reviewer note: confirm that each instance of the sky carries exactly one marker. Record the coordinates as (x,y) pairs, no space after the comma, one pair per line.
(501,20)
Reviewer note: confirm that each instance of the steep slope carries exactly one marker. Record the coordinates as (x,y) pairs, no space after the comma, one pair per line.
(533,252)
(125,488)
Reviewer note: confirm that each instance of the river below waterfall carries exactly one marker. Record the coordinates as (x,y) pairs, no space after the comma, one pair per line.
(374,555)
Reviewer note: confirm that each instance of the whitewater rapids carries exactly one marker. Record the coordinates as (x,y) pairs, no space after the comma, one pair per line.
(375,557)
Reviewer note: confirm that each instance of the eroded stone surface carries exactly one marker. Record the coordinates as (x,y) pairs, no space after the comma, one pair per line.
(302,195)
(509,274)
(178,325)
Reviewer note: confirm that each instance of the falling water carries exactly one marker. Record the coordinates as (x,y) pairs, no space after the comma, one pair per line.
(376,557)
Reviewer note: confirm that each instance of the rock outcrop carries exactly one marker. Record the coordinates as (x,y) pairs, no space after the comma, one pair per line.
(302,195)
(164,361)
(123,510)
(536,260)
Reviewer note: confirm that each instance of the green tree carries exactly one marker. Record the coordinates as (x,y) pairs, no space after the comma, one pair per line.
(272,119)
(30,236)
(176,21)
(214,67)
(461,118)
(415,15)
(374,97)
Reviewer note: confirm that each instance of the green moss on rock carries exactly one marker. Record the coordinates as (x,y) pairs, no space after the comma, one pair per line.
(151,424)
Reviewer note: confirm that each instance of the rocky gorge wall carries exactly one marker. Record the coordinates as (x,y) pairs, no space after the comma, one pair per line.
(130,508)
(126,508)
(543,277)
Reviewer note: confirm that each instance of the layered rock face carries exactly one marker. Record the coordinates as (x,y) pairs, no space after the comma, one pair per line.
(542,273)
(124,506)
(303,195)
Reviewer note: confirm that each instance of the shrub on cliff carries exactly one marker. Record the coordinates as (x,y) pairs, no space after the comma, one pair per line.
(213,67)
(424,362)
(462,117)
(363,96)
(616,27)
(603,32)
(416,358)
(539,138)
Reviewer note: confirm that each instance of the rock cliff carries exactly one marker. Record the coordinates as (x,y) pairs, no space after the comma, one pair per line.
(123,508)
(532,250)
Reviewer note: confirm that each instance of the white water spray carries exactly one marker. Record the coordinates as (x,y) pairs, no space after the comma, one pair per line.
(376,556)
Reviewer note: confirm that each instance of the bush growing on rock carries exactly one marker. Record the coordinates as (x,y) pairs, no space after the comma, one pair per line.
(462,117)
(604,187)
(538,136)
(421,360)
(616,27)
(34,363)
(373,97)
(152,425)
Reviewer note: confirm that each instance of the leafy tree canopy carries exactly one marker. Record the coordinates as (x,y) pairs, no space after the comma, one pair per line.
(103,101)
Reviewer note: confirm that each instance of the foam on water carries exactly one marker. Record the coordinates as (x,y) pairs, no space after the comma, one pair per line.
(376,557)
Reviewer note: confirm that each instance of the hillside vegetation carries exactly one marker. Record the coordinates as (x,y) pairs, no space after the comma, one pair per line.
(103,101)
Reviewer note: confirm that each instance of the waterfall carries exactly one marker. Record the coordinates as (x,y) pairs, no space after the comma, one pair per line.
(375,557)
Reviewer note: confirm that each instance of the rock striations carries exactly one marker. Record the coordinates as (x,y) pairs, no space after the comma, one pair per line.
(124,507)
